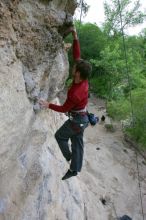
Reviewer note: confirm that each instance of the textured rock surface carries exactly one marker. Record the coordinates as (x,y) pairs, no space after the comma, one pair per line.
(33,64)
(32,28)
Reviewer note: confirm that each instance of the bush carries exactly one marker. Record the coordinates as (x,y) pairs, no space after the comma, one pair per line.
(100,87)
(121,109)
(138,132)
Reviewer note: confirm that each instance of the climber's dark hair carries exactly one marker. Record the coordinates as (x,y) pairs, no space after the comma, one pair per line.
(84,67)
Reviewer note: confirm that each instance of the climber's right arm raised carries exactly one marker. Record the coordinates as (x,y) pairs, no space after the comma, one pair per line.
(76,46)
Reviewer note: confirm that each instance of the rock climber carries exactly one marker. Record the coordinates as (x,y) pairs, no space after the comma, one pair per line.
(75,106)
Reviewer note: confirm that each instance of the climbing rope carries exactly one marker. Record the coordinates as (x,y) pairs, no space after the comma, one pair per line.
(131,102)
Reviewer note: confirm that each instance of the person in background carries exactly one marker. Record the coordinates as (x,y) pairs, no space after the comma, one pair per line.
(75,106)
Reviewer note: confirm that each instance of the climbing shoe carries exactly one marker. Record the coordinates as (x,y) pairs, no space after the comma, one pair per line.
(69,174)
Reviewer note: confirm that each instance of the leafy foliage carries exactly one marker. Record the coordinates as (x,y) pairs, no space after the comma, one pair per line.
(82,7)
(121,110)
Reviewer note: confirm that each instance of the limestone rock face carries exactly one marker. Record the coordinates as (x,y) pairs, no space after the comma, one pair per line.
(33,29)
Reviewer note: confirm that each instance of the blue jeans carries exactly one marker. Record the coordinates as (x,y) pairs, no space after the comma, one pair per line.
(73,129)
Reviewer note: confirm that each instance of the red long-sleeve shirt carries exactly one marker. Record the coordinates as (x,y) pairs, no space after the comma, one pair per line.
(77,96)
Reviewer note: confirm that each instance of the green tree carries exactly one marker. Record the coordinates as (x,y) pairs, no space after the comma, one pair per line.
(82,7)
(112,64)
(112,58)
(127,10)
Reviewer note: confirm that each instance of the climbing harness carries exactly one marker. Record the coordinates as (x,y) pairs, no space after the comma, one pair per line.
(131,102)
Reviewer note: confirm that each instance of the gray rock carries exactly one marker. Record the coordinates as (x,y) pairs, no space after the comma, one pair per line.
(33,65)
